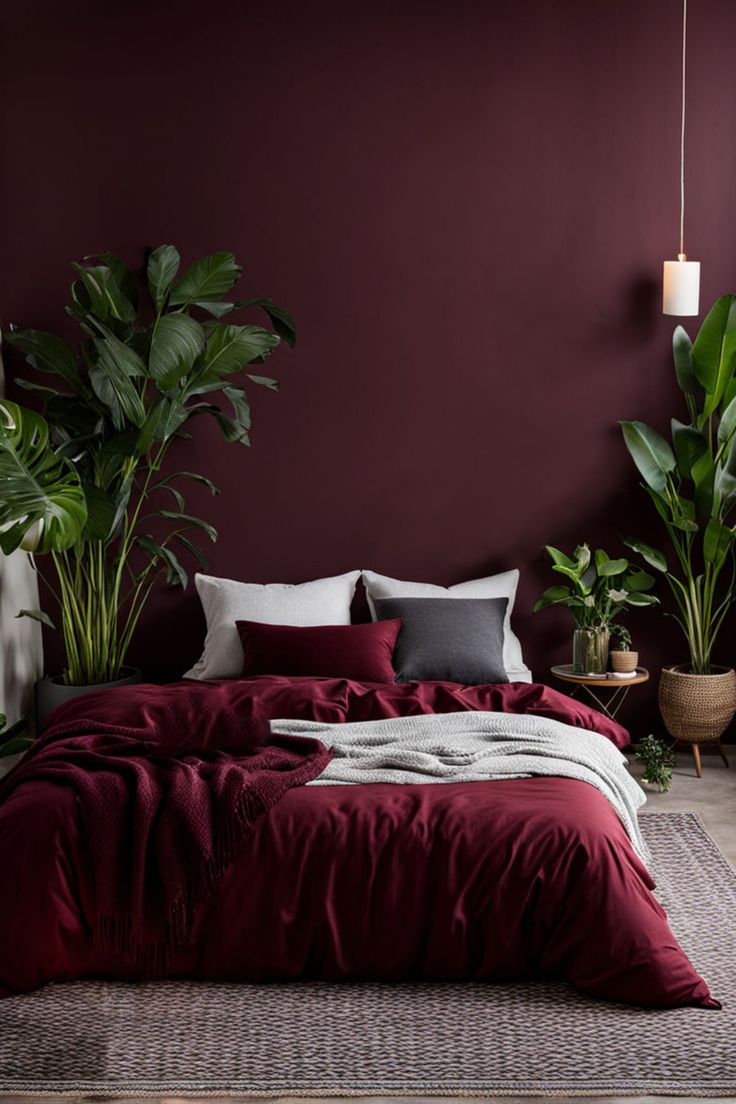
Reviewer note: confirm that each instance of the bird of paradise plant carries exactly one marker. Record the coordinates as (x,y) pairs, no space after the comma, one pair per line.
(692,482)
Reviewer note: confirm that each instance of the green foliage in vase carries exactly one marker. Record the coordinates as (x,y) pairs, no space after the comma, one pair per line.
(599,588)
(83,482)
(658,759)
(691,481)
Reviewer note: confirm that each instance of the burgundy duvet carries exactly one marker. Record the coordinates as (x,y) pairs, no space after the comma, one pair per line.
(496,880)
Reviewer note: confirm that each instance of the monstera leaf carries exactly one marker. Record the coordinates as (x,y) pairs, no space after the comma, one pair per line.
(40,491)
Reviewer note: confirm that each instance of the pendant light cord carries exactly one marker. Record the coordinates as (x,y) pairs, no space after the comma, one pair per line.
(682,130)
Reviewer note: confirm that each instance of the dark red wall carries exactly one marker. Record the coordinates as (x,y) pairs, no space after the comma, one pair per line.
(465,206)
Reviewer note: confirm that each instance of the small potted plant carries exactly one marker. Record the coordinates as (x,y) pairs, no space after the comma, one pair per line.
(623,660)
(658,759)
(598,591)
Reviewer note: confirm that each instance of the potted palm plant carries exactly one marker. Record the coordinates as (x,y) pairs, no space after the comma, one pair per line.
(82,483)
(598,590)
(691,481)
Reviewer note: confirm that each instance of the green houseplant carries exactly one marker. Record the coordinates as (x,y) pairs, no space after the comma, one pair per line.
(623,659)
(691,482)
(82,483)
(598,590)
(658,759)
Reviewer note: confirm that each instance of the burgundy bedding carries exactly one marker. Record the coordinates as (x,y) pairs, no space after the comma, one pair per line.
(493,880)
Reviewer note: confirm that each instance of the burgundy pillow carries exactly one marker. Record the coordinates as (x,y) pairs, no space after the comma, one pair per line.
(360,652)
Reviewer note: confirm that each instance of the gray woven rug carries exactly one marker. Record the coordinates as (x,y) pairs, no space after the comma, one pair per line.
(444,1039)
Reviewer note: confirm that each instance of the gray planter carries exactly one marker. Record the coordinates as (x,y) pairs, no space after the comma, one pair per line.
(51,691)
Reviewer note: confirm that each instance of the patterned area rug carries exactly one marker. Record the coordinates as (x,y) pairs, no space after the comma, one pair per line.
(355,1040)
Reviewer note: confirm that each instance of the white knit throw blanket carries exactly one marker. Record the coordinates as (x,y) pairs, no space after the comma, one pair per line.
(474,747)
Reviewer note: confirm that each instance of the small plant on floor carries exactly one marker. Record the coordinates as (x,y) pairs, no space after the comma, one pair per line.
(658,759)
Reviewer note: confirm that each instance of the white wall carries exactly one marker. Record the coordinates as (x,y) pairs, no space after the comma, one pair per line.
(21,649)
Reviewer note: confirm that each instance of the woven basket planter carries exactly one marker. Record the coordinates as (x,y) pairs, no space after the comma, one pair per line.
(697,708)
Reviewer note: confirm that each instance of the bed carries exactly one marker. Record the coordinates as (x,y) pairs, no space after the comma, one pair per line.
(513,877)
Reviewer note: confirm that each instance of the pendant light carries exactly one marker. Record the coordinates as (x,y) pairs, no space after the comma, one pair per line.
(681,283)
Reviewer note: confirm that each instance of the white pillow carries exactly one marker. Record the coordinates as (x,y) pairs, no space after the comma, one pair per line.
(224,601)
(494,586)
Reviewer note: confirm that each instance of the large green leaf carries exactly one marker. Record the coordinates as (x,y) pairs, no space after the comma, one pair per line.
(112,376)
(714,350)
(724,486)
(717,541)
(231,431)
(230,348)
(176,342)
(37,487)
(636,599)
(240,405)
(690,444)
(15,745)
(124,278)
(175,573)
(47,353)
(163,419)
(190,520)
(652,556)
(703,475)
(553,596)
(192,549)
(161,270)
(612,567)
(650,452)
(682,348)
(727,424)
(195,477)
(101,513)
(207,279)
(601,557)
(265,381)
(46,393)
(559,557)
(37,615)
(106,298)
(282,322)
(638,581)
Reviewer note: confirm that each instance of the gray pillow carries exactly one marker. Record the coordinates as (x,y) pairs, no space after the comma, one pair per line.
(447,639)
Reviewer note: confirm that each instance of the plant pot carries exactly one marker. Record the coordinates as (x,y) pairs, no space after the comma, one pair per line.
(697,708)
(51,691)
(624,662)
(590,651)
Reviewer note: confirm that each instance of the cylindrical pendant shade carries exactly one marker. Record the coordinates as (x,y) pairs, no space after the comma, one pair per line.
(681,287)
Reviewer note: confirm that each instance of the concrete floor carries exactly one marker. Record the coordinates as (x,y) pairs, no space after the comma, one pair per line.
(713,797)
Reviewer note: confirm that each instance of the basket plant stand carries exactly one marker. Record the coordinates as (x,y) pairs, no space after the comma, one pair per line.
(697,709)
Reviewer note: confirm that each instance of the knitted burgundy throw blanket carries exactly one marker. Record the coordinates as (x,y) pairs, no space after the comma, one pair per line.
(169,786)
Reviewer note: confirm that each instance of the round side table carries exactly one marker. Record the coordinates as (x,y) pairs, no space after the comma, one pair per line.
(617,689)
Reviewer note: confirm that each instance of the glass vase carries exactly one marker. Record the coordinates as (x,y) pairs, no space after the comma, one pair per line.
(590,651)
